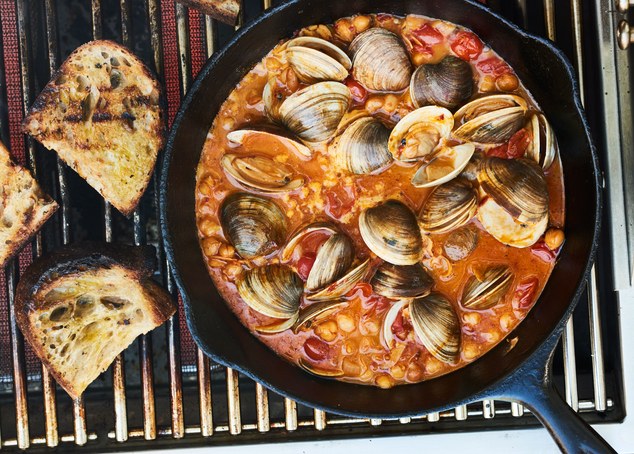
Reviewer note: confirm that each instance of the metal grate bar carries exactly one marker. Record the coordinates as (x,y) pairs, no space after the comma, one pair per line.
(233,402)
(596,342)
(290,412)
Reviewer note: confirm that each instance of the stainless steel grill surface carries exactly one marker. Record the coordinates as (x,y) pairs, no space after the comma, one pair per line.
(162,391)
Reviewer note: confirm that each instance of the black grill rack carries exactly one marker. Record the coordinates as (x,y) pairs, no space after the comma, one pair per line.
(162,391)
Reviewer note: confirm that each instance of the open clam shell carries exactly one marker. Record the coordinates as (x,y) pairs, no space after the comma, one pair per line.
(362,148)
(461,243)
(445,164)
(391,231)
(254,225)
(299,235)
(343,285)
(315,312)
(334,257)
(261,173)
(449,206)
(380,61)
(517,185)
(271,290)
(485,290)
(268,134)
(319,371)
(543,146)
(418,133)
(401,281)
(388,321)
(490,120)
(313,113)
(314,59)
(437,326)
(448,83)
(501,225)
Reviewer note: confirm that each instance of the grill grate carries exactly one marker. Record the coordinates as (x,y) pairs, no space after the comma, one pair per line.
(163,391)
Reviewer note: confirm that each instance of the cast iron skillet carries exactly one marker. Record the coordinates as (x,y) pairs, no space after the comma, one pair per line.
(517,369)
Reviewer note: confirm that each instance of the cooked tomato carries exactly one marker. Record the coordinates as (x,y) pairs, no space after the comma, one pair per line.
(316,349)
(467,46)
(425,37)
(498,152)
(494,66)
(339,201)
(525,292)
(518,144)
(305,264)
(359,94)
(543,252)
(401,326)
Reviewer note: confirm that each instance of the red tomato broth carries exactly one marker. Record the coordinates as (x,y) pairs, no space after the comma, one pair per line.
(332,194)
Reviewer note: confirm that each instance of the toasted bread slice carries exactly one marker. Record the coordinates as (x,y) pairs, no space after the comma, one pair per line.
(101,113)
(79,307)
(24,208)
(224,10)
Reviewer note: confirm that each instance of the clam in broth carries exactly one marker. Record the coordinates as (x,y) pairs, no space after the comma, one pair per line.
(378,199)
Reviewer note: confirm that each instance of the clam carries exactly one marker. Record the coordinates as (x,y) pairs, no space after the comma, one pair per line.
(315,59)
(267,137)
(315,312)
(461,243)
(254,225)
(485,290)
(401,281)
(444,165)
(391,231)
(334,257)
(343,285)
(313,113)
(362,148)
(449,206)
(437,326)
(380,61)
(517,185)
(490,120)
(388,321)
(261,173)
(543,146)
(507,230)
(271,290)
(320,371)
(448,83)
(324,227)
(418,133)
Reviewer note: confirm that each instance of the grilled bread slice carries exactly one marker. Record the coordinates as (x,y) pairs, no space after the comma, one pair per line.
(24,208)
(80,306)
(224,10)
(101,113)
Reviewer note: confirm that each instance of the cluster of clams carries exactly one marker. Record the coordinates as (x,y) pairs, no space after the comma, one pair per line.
(509,197)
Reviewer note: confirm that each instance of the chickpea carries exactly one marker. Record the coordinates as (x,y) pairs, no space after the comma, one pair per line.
(470,351)
(208,227)
(506,322)
(384,381)
(232,270)
(226,251)
(327,330)
(471,318)
(491,337)
(414,372)
(349,347)
(397,372)
(351,367)
(228,124)
(361,23)
(369,327)
(507,82)
(487,84)
(554,238)
(432,366)
(421,58)
(373,104)
(345,323)
(273,64)
(205,189)
(210,246)
(390,103)
(214,263)
(344,30)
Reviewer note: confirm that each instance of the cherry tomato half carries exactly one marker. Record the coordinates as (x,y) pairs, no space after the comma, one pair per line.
(467,45)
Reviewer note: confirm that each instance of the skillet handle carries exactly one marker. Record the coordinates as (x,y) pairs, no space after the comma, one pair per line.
(571,433)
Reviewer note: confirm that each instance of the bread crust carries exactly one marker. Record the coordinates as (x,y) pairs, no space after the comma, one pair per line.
(224,10)
(136,262)
(32,206)
(102,113)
